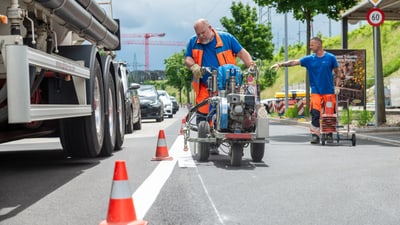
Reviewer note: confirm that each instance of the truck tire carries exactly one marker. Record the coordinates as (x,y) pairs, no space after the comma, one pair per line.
(257,151)
(120,100)
(203,150)
(83,136)
(110,121)
(236,154)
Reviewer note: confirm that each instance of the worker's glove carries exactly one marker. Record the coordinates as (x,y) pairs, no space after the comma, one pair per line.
(252,67)
(196,70)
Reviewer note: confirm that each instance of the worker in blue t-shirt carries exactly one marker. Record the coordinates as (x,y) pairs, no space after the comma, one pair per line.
(319,65)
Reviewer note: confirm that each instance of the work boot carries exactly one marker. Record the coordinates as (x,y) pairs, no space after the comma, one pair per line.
(329,138)
(314,139)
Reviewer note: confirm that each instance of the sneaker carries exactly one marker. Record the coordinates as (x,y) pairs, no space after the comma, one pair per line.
(329,138)
(314,139)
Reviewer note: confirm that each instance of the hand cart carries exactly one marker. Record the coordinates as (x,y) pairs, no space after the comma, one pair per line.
(329,124)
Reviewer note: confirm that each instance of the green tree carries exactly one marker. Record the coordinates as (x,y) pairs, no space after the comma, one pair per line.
(305,11)
(178,75)
(254,37)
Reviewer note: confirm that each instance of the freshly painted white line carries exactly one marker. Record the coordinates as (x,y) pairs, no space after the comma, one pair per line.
(148,191)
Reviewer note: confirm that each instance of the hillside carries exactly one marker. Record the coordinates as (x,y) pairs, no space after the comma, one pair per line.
(361,38)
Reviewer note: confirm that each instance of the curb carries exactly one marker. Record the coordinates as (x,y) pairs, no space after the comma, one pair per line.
(362,133)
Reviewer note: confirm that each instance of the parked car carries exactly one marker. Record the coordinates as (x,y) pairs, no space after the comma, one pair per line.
(132,102)
(133,112)
(175,105)
(151,106)
(164,96)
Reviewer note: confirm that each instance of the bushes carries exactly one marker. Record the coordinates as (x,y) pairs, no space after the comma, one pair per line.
(362,117)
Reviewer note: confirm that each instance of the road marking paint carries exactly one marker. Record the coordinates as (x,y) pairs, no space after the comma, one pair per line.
(148,191)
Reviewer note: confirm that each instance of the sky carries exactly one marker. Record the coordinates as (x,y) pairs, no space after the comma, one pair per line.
(175,18)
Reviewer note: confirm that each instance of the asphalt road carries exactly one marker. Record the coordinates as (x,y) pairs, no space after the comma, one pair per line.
(297,183)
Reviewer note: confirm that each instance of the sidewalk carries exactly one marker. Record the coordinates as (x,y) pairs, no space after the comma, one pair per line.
(386,135)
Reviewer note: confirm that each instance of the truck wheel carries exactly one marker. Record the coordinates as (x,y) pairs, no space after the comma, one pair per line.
(257,151)
(323,138)
(110,130)
(83,136)
(121,117)
(236,154)
(203,151)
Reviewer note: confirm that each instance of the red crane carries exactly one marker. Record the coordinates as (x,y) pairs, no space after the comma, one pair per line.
(146,43)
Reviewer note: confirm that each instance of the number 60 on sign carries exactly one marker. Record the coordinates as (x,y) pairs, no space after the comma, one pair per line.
(375,17)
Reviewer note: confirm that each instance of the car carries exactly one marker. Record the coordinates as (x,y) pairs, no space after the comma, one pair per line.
(132,103)
(164,96)
(175,105)
(151,106)
(133,112)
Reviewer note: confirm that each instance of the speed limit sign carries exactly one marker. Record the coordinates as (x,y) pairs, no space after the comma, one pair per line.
(375,17)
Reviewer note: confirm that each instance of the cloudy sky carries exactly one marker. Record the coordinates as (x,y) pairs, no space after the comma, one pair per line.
(175,18)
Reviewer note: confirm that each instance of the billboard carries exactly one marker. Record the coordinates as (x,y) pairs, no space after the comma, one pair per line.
(352,67)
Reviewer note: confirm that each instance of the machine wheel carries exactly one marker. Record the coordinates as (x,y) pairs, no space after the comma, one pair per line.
(121,117)
(236,154)
(83,136)
(323,138)
(257,151)
(353,140)
(203,150)
(110,130)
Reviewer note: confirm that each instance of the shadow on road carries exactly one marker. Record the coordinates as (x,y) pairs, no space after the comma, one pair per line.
(28,176)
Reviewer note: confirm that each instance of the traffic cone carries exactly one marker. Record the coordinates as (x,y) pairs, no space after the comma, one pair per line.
(182,125)
(329,107)
(121,210)
(162,149)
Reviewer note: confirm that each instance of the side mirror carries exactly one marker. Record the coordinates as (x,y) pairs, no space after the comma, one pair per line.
(134,86)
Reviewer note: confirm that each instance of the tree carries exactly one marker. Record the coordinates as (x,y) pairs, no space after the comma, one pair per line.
(254,37)
(305,11)
(178,75)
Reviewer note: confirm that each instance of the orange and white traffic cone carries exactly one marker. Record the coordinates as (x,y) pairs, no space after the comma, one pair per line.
(121,210)
(182,125)
(162,149)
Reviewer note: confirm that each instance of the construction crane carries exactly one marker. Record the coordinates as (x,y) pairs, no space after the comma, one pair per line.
(146,43)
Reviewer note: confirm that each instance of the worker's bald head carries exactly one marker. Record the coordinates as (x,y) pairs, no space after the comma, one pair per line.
(203,31)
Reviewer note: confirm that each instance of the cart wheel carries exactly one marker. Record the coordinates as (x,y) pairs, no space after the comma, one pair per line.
(353,140)
(257,151)
(203,151)
(236,154)
(323,137)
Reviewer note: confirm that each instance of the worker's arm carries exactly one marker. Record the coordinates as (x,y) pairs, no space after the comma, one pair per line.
(289,63)
(245,56)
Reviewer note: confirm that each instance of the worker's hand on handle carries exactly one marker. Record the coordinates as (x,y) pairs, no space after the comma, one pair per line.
(275,67)
(196,70)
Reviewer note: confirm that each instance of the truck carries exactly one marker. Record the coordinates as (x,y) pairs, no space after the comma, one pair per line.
(59,77)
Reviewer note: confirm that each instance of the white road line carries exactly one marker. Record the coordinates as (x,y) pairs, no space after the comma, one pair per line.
(148,191)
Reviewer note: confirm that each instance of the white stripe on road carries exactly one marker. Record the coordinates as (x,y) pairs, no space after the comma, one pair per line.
(148,191)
